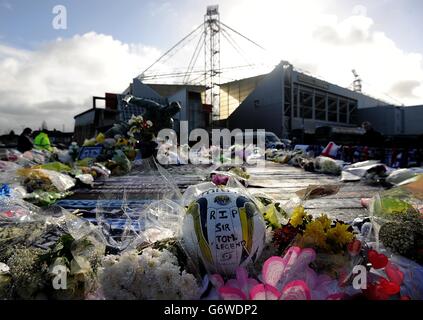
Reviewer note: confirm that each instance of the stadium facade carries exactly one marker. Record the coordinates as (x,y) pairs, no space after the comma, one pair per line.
(285,100)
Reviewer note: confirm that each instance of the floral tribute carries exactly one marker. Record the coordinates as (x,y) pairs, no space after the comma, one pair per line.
(282,278)
(305,258)
(330,239)
(151,275)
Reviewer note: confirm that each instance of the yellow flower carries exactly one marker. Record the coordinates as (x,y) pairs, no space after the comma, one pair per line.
(314,235)
(325,221)
(340,234)
(297,216)
(100,138)
(122,142)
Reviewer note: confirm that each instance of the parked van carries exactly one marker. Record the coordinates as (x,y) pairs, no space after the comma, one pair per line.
(271,140)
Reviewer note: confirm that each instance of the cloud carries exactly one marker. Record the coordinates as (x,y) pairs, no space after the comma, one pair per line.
(57,81)
(405,88)
(311,37)
(387,70)
(350,32)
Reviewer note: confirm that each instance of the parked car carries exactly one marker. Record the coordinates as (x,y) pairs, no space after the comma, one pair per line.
(271,140)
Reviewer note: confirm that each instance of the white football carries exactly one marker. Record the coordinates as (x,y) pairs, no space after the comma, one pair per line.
(223,229)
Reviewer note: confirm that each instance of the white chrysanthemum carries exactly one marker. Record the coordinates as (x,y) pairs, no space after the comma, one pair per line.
(152,275)
(166,272)
(189,287)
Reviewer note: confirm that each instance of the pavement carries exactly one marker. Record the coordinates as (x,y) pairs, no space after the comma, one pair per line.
(144,185)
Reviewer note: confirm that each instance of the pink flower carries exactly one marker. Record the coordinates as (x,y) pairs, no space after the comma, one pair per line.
(287,278)
(219,179)
(236,289)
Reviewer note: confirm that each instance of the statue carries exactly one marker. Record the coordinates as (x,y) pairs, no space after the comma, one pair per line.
(160,115)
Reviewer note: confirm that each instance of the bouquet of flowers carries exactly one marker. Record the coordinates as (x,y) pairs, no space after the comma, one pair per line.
(138,129)
(329,238)
(46,180)
(31,271)
(149,275)
(328,165)
(36,246)
(282,278)
(398,220)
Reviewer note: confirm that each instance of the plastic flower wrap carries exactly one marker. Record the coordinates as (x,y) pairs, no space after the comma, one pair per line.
(46,180)
(54,166)
(398,221)
(163,220)
(222,175)
(82,257)
(398,176)
(371,171)
(282,156)
(382,288)
(44,198)
(32,270)
(20,223)
(273,213)
(34,242)
(158,220)
(120,164)
(412,274)
(317,191)
(389,277)
(8,172)
(328,165)
(296,160)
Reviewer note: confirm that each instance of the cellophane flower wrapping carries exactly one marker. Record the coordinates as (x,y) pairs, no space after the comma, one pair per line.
(34,241)
(398,221)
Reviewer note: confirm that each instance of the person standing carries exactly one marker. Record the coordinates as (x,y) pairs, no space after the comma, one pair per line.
(371,137)
(42,141)
(24,141)
(373,140)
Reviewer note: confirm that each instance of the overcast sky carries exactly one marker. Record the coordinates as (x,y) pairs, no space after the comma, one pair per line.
(52,74)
